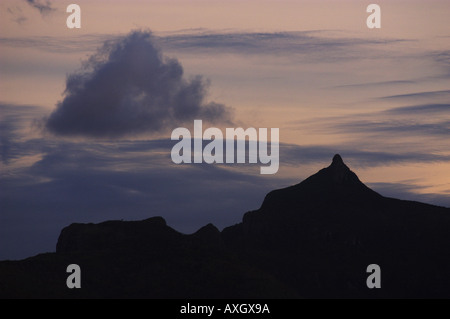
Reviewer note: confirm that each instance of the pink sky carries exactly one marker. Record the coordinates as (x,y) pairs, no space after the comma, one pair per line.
(258,86)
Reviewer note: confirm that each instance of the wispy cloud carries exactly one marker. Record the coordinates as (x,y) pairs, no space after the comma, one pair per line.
(17,14)
(400,128)
(410,191)
(15,121)
(82,44)
(375,84)
(311,46)
(442,57)
(292,154)
(44,7)
(419,95)
(419,110)
(391,125)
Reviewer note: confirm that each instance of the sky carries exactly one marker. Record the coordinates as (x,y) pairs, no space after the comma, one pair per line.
(86,114)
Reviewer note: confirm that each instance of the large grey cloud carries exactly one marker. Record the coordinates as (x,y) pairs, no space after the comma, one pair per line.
(128,87)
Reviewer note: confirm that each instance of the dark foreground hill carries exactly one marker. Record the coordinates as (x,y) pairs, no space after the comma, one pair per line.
(313,239)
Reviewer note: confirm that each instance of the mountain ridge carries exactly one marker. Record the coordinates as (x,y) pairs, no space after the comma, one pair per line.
(313,239)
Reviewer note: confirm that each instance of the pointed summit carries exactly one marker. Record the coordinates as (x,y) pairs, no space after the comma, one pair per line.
(338,176)
(339,173)
(337,160)
(335,183)
(338,164)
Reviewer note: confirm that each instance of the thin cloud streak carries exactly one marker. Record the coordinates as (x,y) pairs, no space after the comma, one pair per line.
(314,46)
(400,128)
(268,43)
(419,110)
(291,154)
(86,43)
(374,84)
(405,121)
(419,95)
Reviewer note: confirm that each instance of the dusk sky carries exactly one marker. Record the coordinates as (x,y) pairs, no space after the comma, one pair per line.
(86,114)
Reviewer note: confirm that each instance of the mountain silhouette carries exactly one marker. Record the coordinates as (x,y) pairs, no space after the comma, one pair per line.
(311,240)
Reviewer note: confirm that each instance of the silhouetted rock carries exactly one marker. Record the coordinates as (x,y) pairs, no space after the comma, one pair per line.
(139,259)
(313,239)
(320,235)
(149,234)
